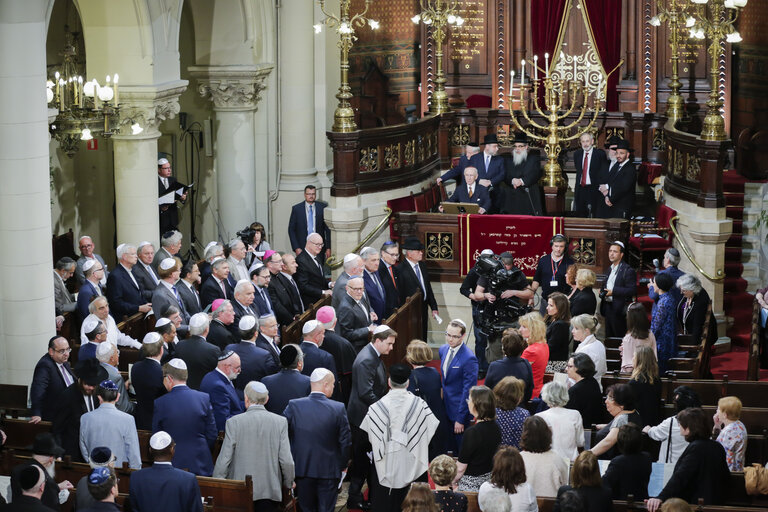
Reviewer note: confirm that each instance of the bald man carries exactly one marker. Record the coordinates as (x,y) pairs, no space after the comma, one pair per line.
(309,275)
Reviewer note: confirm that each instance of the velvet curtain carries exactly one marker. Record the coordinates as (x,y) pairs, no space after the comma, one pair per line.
(546,21)
(604,20)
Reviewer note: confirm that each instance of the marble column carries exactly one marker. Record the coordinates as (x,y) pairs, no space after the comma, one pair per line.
(135,160)
(26,282)
(235,92)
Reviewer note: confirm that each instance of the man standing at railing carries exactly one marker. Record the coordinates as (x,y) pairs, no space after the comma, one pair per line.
(490,167)
(414,277)
(308,217)
(456,172)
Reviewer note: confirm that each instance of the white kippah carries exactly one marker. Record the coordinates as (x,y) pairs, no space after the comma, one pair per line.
(163,321)
(620,244)
(160,440)
(258,387)
(217,258)
(486,252)
(459,321)
(350,257)
(211,244)
(247,322)
(162,161)
(198,320)
(318,374)
(380,328)
(142,244)
(104,349)
(119,247)
(90,324)
(152,337)
(177,363)
(309,326)
(167,263)
(88,265)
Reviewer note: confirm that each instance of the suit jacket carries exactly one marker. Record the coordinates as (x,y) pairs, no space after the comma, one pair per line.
(240,312)
(297,225)
(457,172)
(341,349)
(315,357)
(409,283)
(480,196)
(283,387)
(257,431)
(109,426)
(162,297)
(145,280)
(190,298)
(210,291)
(84,297)
(340,291)
(511,366)
(169,213)
(224,399)
(310,278)
(163,487)
(320,436)
(65,302)
(22,503)
(376,299)
(256,363)
(187,416)
(50,497)
(624,289)
(629,474)
(285,299)
(80,273)
(700,472)
(621,186)
(263,306)
(220,335)
(66,421)
(201,357)
(47,387)
(583,301)
(262,343)
(390,288)
(147,379)
(352,322)
(160,255)
(495,171)
(123,294)
(235,274)
(369,384)
(124,402)
(598,168)
(461,376)
(524,200)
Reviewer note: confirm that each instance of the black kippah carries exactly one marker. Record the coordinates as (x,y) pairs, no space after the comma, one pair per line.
(29,476)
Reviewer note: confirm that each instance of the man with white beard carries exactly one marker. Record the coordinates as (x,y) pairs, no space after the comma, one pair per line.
(522,194)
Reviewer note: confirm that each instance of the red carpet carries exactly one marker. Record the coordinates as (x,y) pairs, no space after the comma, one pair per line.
(734,365)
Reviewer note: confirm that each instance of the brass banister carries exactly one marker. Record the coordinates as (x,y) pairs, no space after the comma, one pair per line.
(333,264)
(720,274)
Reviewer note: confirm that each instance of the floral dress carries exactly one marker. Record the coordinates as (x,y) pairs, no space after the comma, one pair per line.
(663,327)
(734,439)
(511,425)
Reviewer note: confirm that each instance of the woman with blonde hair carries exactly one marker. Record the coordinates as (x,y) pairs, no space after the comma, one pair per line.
(583,299)
(425,382)
(534,332)
(442,470)
(646,384)
(733,433)
(419,499)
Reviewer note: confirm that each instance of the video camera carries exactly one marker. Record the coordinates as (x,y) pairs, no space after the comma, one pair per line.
(246,235)
(496,316)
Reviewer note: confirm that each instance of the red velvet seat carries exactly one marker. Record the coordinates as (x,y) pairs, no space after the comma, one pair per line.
(646,244)
(479,101)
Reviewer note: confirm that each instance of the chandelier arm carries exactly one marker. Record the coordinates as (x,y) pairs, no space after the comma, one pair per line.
(589,126)
(525,130)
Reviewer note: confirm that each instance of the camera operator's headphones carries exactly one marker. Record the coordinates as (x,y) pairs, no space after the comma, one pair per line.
(559,238)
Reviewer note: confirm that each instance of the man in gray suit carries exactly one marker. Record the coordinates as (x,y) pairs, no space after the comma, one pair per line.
(87,248)
(353,266)
(109,357)
(166,293)
(237,268)
(143,271)
(369,384)
(64,269)
(170,243)
(257,431)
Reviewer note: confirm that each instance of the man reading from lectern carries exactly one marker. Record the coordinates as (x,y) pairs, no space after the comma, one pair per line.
(522,195)
(169,213)
(469,191)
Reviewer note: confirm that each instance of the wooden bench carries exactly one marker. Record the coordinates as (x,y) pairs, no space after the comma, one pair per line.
(21,433)
(755,419)
(291,333)
(13,400)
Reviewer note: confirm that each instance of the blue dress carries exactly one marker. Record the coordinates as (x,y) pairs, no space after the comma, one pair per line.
(425,383)
(511,425)
(663,326)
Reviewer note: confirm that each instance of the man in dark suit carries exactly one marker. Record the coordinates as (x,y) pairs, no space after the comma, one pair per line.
(268,338)
(220,330)
(187,416)
(45,451)
(217,286)
(218,385)
(308,217)
(456,172)
(340,348)
(374,288)
(459,369)
(586,197)
(309,275)
(355,318)
(617,292)
(143,271)
(75,401)
(200,357)
(123,290)
(284,293)
(414,277)
(389,276)
(261,277)
(147,378)
(522,194)
(169,213)
(256,362)
(51,377)
(490,167)
(243,303)
(190,277)
(619,187)
(369,384)
(320,443)
(313,334)
(91,287)
(29,489)
(161,486)
(289,382)
(471,192)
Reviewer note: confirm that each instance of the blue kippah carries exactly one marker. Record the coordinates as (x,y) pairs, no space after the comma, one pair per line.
(99,475)
(108,384)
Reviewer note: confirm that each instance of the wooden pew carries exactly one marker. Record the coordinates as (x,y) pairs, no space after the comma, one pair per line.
(21,434)
(755,419)
(291,333)
(753,363)
(13,400)
(406,322)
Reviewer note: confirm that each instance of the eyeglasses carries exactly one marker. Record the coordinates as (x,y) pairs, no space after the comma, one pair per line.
(63,351)
(453,336)
(393,254)
(319,244)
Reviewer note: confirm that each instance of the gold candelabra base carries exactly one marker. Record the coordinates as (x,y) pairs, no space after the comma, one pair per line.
(344,120)
(714,125)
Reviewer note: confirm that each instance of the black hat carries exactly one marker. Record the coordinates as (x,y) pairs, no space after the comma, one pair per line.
(288,355)
(521,138)
(612,141)
(45,444)
(490,139)
(623,144)
(473,144)
(90,371)
(399,373)
(28,477)
(413,244)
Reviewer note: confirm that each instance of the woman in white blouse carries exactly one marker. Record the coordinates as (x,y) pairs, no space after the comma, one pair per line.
(508,481)
(583,329)
(566,424)
(673,444)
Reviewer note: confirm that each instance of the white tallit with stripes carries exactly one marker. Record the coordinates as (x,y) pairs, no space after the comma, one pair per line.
(400,426)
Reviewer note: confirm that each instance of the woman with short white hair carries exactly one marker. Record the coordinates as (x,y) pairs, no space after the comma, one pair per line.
(566,424)
(692,308)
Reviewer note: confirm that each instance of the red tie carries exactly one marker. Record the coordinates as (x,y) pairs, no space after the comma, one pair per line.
(585,170)
(392,275)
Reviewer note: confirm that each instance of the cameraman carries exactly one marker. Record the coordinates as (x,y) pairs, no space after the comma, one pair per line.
(671,260)
(550,272)
(481,339)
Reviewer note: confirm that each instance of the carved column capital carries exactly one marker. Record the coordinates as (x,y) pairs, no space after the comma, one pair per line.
(148,106)
(232,88)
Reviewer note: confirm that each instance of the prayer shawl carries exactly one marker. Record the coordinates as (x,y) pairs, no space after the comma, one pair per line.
(399,427)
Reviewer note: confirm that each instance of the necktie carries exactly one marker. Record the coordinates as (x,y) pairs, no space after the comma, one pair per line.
(223,288)
(392,275)
(152,274)
(421,281)
(66,376)
(89,403)
(471,190)
(614,169)
(487,162)
(449,360)
(378,284)
(165,182)
(310,220)
(197,296)
(266,300)
(298,293)
(178,297)
(585,170)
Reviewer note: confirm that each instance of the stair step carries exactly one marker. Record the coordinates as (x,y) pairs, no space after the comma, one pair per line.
(735,240)
(739,339)
(734,198)
(733,253)
(738,226)
(734,212)
(733,269)
(733,181)
(735,285)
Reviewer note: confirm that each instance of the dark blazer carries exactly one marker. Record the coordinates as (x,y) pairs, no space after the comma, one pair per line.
(47,387)
(224,399)
(525,200)
(320,436)
(84,297)
(700,472)
(161,254)
(256,363)
(315,357)
(409,283)
(624,289)
(589,195)
(511,366)
(621,185)
(310,278)
(123,295)
(392,294)
(628,474)
(240,312)
(210,291)
(145,281)
(480,196)
(201,357)
(341,349)
(23,503)
(461,376)
(352,323)
(66,421)
(263,306)
(220,335)
(285,299)
(187,416)
(49,500)
(558,339)
(585,397)
(163,487)
(87,351)
(457,172)
(283,387)
(378,301)
(297,225)
(262,343)
(190,298)
(495,171)
(693,322)
(162,297)
(583,302)
(369,384)
(169,213)
(594,499)
(147,379)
